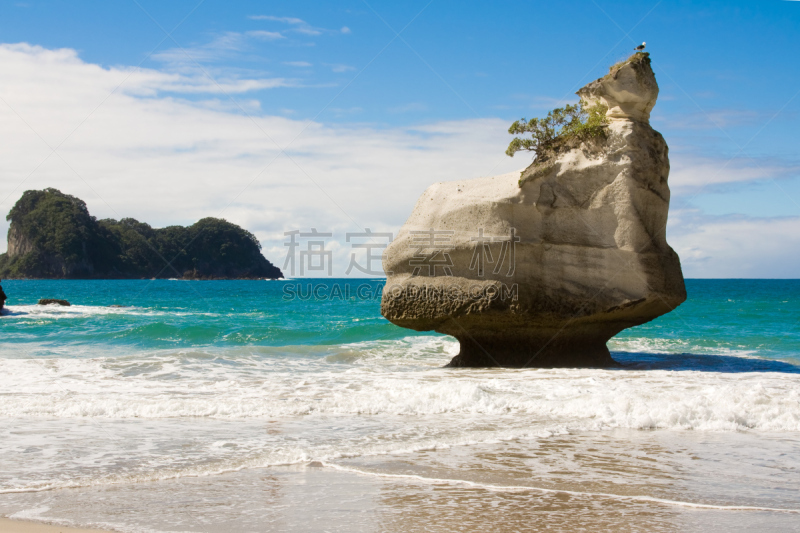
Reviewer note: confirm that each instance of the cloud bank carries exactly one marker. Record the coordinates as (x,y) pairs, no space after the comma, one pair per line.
(129,145)
(170,147)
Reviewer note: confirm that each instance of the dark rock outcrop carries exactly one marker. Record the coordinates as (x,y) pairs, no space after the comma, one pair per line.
(54,301)
(541,270)
(53,236)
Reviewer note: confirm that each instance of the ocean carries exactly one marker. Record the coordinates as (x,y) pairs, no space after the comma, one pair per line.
(258,406)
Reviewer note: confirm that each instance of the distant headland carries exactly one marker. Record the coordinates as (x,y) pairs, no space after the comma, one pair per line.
(53,236)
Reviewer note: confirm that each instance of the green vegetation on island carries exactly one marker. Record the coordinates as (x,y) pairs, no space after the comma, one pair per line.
(52,235)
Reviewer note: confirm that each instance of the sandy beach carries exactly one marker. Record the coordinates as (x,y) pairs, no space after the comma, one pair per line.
(22,526)
(630,481)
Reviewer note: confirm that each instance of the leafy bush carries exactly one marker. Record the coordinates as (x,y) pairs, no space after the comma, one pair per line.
(572,121)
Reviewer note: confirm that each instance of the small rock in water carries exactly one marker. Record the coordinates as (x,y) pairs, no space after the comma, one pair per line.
(53,301)
(316,464)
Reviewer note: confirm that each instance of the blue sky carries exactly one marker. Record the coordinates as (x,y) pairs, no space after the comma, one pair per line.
(334,84)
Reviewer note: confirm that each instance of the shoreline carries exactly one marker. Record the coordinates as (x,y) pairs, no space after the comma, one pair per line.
(362,496)
(13,525)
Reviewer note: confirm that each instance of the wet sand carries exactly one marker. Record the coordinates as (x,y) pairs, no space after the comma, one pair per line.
(314,499)
(621,481)
(23,526)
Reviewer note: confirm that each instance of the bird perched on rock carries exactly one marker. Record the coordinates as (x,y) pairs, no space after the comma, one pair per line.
(640,47)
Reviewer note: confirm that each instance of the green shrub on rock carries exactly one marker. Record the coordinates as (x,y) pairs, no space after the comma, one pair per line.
(571,122)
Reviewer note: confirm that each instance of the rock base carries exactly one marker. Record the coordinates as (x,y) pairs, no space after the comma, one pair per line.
(532,352)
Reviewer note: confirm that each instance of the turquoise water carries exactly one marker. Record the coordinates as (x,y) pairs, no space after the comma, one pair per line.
(164,314)
(233,382)
(747,318)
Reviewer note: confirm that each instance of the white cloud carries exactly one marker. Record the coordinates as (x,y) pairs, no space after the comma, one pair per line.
(303,64)
(736,246)
(220,47)
(298,25)
(265,35)
(285,20)
(32,68)
(307,30)
(690,175)
(166,161)
(338,67)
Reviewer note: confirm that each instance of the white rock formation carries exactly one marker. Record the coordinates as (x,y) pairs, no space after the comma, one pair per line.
(543,269)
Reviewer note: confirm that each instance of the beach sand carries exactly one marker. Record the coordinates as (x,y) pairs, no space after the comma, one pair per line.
(623,481)
(22,526)
(317,500)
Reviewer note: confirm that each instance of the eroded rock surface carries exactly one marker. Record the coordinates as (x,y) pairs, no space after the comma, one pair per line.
(542,269)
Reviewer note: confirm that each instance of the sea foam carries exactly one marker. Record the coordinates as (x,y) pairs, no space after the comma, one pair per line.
(397,378)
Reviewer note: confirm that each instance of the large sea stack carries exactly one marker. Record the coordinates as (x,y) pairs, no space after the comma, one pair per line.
(542,269)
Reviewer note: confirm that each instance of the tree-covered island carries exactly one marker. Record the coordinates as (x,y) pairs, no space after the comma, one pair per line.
(53,236)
